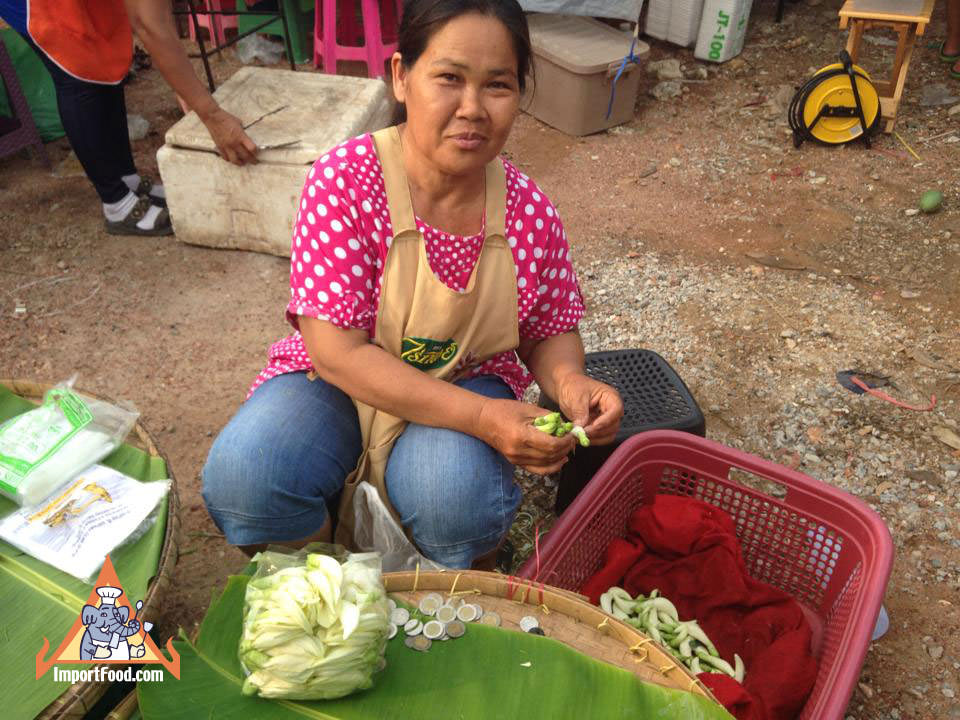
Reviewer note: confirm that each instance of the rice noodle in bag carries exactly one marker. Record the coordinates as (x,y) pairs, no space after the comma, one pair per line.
(42,449)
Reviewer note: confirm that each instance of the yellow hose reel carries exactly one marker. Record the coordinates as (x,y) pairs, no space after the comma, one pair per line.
(837,105)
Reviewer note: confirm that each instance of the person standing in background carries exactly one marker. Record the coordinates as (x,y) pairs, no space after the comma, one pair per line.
(88,48)
(950,48)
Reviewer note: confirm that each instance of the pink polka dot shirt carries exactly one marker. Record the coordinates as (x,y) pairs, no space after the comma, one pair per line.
(340,242)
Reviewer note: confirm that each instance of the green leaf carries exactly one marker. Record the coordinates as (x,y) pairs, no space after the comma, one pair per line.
(40,601)
(481,676)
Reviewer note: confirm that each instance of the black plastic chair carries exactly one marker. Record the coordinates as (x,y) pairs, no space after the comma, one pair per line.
(654,398)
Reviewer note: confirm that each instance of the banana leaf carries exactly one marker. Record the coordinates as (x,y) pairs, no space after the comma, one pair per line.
(489,673)
(40,601)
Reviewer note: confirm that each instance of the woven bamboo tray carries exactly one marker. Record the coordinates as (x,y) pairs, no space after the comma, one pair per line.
(77,700)
(563,615)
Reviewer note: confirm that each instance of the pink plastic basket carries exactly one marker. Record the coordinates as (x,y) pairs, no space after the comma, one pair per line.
(823,546)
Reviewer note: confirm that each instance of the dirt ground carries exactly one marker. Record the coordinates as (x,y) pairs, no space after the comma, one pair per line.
(710,180)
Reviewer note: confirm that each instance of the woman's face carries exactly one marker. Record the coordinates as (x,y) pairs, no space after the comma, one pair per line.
(461,94)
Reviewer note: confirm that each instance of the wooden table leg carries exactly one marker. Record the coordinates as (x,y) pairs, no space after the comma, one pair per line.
(908,38)
(854,38)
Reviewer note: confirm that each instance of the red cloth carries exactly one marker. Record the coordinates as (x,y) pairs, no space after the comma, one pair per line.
(693,557)
(621,556)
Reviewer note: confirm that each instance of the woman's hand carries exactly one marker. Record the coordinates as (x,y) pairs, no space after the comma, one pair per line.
(507,425)
(593,405)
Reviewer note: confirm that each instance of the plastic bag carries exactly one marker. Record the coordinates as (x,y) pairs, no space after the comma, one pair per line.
(43,449)
(74,530)
(315,623)
(375,530)
(256,47)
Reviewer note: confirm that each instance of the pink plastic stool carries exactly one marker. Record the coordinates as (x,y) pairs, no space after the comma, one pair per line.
(374,52)
(216,25)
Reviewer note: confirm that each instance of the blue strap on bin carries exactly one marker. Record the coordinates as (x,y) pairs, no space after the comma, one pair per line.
(631,58)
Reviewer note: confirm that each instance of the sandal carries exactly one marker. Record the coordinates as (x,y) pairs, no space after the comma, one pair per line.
(947,58)
(144,188)
(128,226)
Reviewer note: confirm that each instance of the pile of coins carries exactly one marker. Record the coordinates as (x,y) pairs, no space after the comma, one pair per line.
(439,620)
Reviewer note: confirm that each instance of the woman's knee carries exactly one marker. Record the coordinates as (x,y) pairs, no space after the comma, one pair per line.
(454,492)
(285,454)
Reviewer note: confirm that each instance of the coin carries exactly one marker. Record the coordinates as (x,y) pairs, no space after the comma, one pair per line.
(528,622)
(392,604)
(392,632)
(421,643)
(490,618)
(456,629)
(445,613)
(408,641)
(536,631)
(400,616)
(413,627)
(429,604)
(467,613)
(479,611)
(433,629)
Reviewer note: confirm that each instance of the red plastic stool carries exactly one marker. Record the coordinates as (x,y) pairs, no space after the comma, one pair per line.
(216,25)
(379,42)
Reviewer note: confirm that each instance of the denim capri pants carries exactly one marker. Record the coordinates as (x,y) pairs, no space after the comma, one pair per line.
(276,468)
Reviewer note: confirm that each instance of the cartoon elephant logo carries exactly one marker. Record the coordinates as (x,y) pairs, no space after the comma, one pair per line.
(108,627)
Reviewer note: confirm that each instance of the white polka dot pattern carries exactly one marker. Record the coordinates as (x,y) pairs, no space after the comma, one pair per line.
(341,220)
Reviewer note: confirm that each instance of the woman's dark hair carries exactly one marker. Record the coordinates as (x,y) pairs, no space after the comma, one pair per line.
(423,18)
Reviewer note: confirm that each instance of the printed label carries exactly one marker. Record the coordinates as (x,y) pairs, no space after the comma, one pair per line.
(427,354)
(27,440)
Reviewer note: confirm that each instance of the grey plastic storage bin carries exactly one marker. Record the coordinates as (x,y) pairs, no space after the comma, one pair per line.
(575,60)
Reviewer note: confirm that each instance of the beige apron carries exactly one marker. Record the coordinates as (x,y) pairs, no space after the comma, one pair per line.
(422,321)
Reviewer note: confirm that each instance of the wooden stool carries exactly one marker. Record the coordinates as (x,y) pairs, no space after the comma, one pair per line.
(909,18)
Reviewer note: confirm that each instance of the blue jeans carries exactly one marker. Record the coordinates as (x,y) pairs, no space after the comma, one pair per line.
(281,461)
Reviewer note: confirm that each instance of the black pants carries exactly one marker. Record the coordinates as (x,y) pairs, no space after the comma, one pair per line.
(94,117)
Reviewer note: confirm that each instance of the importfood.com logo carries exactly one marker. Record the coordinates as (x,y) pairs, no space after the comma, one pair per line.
(108,631)
(105,674)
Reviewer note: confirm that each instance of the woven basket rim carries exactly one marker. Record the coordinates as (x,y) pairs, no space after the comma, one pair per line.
(564,602)
(77,700)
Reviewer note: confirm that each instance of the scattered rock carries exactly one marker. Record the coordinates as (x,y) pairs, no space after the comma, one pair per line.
(137,127)
(69,167)
(909,294)
(675,162)
(666,90)
(781,97)
(668,69)
(954,110)
(880,40)
(910,212)
(819,180)
(936,94)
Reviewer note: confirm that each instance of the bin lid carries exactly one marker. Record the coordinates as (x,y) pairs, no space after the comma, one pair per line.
(318,110)
(579,44)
